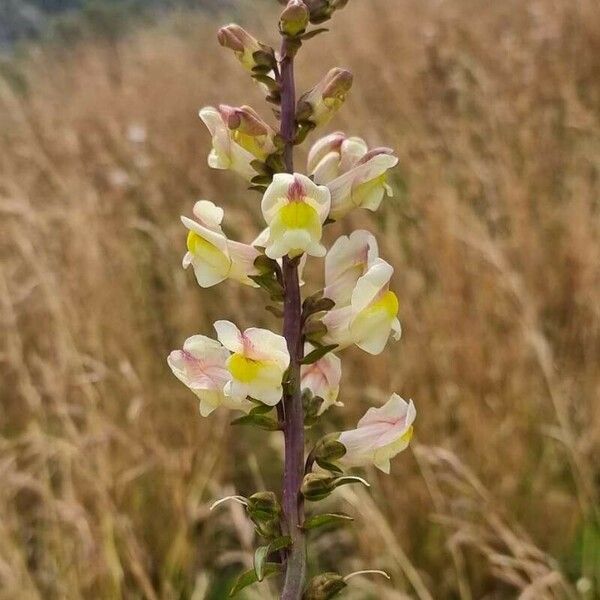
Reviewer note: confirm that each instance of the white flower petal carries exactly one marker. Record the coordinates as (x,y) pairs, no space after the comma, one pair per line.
(229,335)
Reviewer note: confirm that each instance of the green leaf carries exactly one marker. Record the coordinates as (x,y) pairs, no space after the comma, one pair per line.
(317,521)
(249,577)
(263,552)
(270,284)
(317,353)
(275,310)
(258,420)
(261,409)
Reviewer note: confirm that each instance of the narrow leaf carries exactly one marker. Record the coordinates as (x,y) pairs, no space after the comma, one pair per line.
(249,577)
(258,420)
(317,353)
(317,521)
(263,552)
(311,34)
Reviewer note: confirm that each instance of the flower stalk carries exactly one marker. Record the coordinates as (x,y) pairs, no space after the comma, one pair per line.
(293,413)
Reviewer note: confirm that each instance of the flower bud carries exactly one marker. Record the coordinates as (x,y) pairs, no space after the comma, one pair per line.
(264,506)
(329,448)
(324,586)
(265,512)
(294,18)
(317,486)
(321,10)
(320,104)
(249,51)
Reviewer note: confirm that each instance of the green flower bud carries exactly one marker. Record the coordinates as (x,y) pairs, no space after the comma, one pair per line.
(317,486)
(294,18)
(265,512)
(324,586)
(329,448)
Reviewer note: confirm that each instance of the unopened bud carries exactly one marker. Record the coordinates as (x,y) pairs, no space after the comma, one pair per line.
(321,10)
(317,486)
(249,51)
(324,587)
(320,104)
(245,120)
(249,131)
(329,448)
(265,512)
(294,18)
(263,506)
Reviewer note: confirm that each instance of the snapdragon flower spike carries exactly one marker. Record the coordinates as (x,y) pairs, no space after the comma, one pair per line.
(295,209)
(380,435)
(202,366)
(256,367)
(346,262)
(239,138)
(213,257)
(322,378)
(370,317)
(319,105)
(355,175)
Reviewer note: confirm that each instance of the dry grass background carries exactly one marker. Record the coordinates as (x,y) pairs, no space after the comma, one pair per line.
(106,469)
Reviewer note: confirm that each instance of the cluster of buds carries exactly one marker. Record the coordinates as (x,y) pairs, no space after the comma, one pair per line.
(260,373)
(320,11)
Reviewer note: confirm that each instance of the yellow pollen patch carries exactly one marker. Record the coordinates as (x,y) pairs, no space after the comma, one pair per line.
(207,252)
(250,143)
(388,302)
(361,192)
(408,435)
(298,215)
(243,369)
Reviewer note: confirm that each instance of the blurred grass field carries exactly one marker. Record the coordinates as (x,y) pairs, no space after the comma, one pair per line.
(106,469)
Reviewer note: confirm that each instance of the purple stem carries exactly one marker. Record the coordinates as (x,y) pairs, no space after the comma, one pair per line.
(293,430)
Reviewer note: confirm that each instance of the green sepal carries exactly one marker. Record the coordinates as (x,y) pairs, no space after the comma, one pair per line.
(329,466)
(260,408)
(324,587)
(258,420)
(318,353)
(249,577)
(311,34)
(263,552)
(268,283)
(317,521)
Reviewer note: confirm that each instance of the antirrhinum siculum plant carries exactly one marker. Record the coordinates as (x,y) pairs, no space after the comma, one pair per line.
(286,382)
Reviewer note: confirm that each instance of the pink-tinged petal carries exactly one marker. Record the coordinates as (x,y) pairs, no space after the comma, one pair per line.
(323,378)
(396,410)
(342,188)
(230,336)
(262,344)
(338,323)
(327,169)
(242,262)
(346,261)
(352,150)
(321,148)
(371,284)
